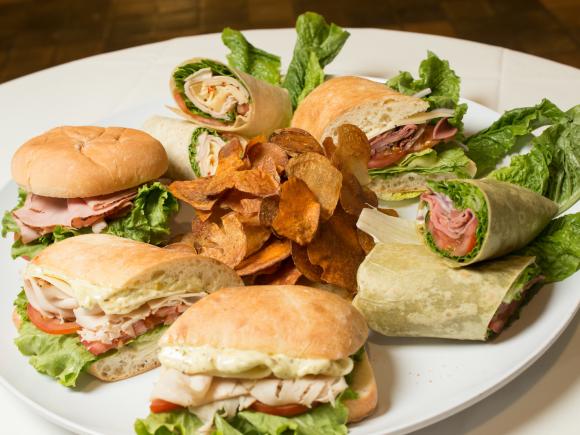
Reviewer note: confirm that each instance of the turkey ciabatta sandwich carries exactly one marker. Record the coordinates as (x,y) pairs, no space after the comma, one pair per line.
(85,179)
(276,357)
(99,303)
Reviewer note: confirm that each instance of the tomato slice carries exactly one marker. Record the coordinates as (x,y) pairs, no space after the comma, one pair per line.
(282,411)
(50,326)
(159,405)
(387,159)
(180,101)
(457,247)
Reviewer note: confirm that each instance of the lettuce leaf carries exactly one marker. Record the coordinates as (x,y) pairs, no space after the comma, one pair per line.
(489,146)
(32,249)
(8,223)
(557,248)
(552,167)
(180,422)
(314,76)
(249,59)
(148,220)
(314,35)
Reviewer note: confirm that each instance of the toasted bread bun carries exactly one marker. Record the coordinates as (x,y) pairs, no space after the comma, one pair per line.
(120,275)
(366,387)
(80,162)
(369,105)
(295,321)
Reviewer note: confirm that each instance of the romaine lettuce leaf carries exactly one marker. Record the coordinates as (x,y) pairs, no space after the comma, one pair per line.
(314,76)
(148,220)
(180,422)
(249,59)
(557,248)
(489,146)
(314,35)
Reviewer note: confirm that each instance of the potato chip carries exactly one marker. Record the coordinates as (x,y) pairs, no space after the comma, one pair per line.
(257,153)
(231,157)
(241,202)
(267,165)
(298,212)
(181,247)
(323,179)
(256,236)
(256,182)
(337,251)
(273,253)
(353,152)
(286,274)
(269,210)
(226,243)
(193,193)
(296,141)
(389,211)
(366,242)
(353,196)
(300,258)
(329,148)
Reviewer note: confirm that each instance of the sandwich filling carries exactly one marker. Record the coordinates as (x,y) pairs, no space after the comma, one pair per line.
(204,150)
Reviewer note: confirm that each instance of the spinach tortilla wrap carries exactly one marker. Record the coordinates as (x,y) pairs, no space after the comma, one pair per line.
(192,150)
(467,221)
(472,303)
(214,95)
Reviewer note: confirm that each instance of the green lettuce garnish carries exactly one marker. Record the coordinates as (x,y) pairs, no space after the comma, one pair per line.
(313,76)
(437,75)
(557,248)
(193,147)
(148,220)
(32,249)
(249,59)
(8,223)
(315,37)
(184,71)
(464,196)
(552,167)
(489,146)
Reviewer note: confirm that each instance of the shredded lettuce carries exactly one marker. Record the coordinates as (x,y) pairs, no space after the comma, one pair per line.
(557,248)
(314,35)
(148,220)
(184,71)
(489,146)
(249,59)
(464,196)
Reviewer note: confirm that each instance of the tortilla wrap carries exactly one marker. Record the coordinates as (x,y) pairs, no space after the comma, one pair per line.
(270,106)
(369,105)
(404,290)
(515,216)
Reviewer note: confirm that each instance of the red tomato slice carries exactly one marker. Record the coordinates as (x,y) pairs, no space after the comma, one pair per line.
(159,405)
(387,159)
(282,411)
(50,326)
(458,247)
(180,102)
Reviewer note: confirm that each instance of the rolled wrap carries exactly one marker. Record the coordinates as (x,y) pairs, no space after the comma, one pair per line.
(404,290)
(515,216)
(177,137)
(269,106)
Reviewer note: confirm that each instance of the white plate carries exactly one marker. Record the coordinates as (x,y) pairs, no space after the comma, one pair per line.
(420,381)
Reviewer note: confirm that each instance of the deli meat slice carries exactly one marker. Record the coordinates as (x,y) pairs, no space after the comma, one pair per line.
(453,231)
(40,214)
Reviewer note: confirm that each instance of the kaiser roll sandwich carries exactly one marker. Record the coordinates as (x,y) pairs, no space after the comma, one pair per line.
(263,359)
(99,303)
(77,180)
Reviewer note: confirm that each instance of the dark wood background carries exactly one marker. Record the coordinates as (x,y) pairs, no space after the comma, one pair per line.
(36,34)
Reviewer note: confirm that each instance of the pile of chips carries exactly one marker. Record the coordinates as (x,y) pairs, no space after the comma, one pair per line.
(284,208)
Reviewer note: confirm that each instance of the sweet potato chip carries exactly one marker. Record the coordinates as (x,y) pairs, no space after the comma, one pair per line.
(296,141)
(353,152)
(303,264)
(256,236)
(194,193)
(366,242)
(267,150)
(337,251)
(353,196)
(271,254)
(298,212)
(286,274)
(226,243)
(231,157)
(240,202)
(323,179)
(256,182)
(269,210)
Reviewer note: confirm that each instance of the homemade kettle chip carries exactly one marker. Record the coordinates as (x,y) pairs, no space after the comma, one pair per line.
(286,274)
(296,141)
(300,258)
(353,152)
(225,243)
(354,197)
(271,254)
(267,150)
(256,236)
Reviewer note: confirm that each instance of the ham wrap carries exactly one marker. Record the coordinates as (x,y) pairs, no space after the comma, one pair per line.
(467,221)
(474,303)
(192,150)
(212,95)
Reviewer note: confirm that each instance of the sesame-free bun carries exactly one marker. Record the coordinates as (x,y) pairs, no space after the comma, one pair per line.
(80,162)
(292,320)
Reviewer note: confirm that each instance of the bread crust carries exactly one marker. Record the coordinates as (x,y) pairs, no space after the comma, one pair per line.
(365,385)
(296,321)
(85,161)
(336,97)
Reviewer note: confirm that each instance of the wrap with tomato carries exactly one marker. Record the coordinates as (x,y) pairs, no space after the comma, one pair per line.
(192,150)
(98,303)
(235,362)
(467,221)
(213,95)
(474,303)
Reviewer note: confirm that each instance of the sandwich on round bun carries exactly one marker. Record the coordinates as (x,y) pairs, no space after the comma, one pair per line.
(77,180)
(263,359)
(99,303)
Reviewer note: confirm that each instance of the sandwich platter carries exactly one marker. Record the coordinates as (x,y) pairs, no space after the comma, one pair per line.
(420,381)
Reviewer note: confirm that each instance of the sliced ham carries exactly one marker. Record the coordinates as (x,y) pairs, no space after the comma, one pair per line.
(453,231)
(40,214)
(443,130)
